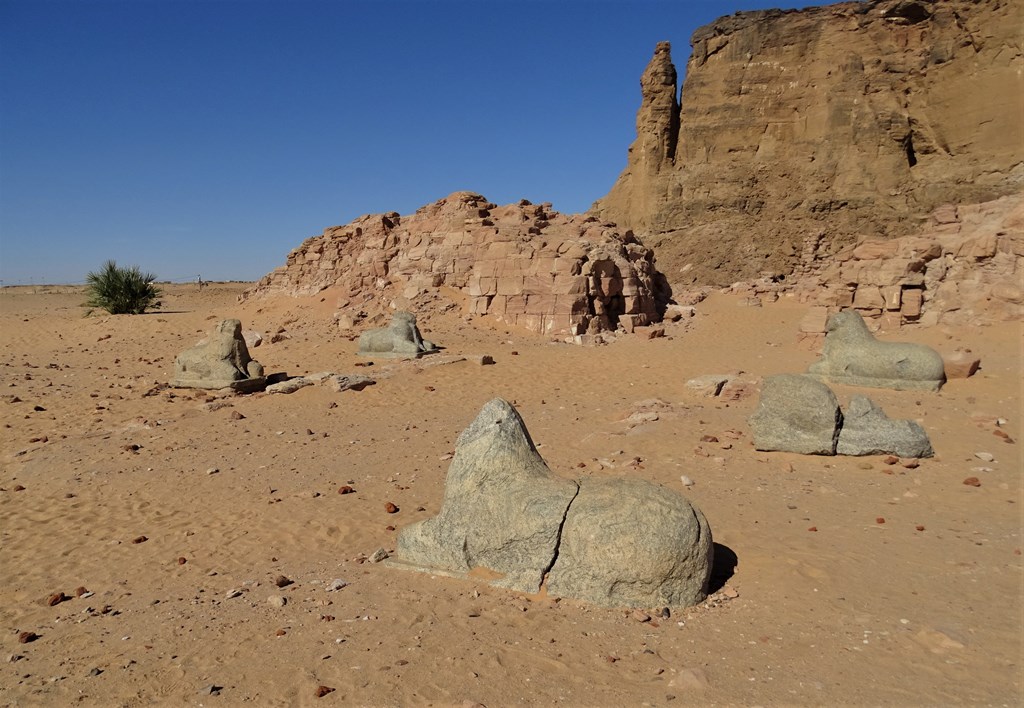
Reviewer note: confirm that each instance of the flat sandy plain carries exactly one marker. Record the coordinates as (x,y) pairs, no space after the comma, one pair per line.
(923,609)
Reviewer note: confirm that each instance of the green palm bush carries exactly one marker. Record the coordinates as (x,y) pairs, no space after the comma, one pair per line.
(121,291)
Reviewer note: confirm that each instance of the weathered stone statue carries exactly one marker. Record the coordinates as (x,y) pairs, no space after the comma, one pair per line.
(796,413)
(851,355)
(613,542)
(400,339)
(220,361)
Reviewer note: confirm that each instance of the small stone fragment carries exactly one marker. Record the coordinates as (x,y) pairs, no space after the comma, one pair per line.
(640,616)
(277,600)
(687,482)
(182,560)
(235,415)
(322,691)
(234,592)
(378,555)
(919,527)
(345,489)
(282,581)
(890,460)
(972,482)
(280,633)
(81,590)
(390,508)
(56,598)
(985,456)
(212,470)
(140,539)
(26,637)
(211,690)
(880,520)
(337,584)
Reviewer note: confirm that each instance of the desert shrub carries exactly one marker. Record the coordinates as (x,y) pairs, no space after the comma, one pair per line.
(121,291)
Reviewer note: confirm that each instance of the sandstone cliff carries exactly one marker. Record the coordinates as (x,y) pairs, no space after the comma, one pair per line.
(846,121)
(523,264)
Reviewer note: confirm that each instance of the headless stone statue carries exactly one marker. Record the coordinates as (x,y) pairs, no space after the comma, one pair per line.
(851,355)
(220,361)
(400,339)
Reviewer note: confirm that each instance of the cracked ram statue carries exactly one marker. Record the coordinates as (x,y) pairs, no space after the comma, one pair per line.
(508,519)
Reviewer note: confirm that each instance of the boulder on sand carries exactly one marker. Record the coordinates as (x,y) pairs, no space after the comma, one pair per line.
(867,430)
(612,542)
(796,413)
(851,355)
(220,361)
(400,339)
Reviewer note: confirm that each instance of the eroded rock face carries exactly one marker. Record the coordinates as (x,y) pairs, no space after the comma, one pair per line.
(220,361)
(796,413)
(399,339)
(852,355)
(611,542)
(523,264)
(851,120)
(867,430)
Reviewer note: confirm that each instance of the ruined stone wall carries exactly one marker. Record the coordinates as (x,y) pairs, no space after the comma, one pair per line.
(964,266)
(523,264)
(855,120)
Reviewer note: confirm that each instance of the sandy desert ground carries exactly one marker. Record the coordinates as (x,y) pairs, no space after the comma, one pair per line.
(160,503)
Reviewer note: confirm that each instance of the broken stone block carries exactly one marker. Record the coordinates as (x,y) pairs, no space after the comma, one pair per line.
(867,430)
(350,382)
(960,364)
(400,339)
(502,508)
(220,361)
(851,355)
(708,385)
(629,543)
(289,385)
(796,413)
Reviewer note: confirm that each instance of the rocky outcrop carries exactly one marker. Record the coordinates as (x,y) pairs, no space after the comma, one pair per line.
(522,264)
(506,517)
(851,120)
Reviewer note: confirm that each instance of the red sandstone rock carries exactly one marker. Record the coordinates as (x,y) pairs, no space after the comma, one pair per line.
(522,264)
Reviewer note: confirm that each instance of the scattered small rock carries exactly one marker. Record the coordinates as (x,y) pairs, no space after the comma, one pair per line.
(212,470)
(345,489)
(336,584)
(235,415)
(390,508)
(687,482)
(985,456)
(890,460)
(378,555)
(234,592)
(56,598)
(26,637)
(211,690)
(640,616)
(880,520)
(277,600)
(81,590)
(322,691)
(182,560)
(972,482)
(140,539)
(282,581)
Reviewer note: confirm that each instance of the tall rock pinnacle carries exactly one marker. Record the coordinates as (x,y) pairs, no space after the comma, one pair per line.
(657,121)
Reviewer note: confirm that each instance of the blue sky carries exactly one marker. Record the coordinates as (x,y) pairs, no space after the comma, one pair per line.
(210,138)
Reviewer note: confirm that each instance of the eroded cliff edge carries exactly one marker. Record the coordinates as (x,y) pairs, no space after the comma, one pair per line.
(846,121)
